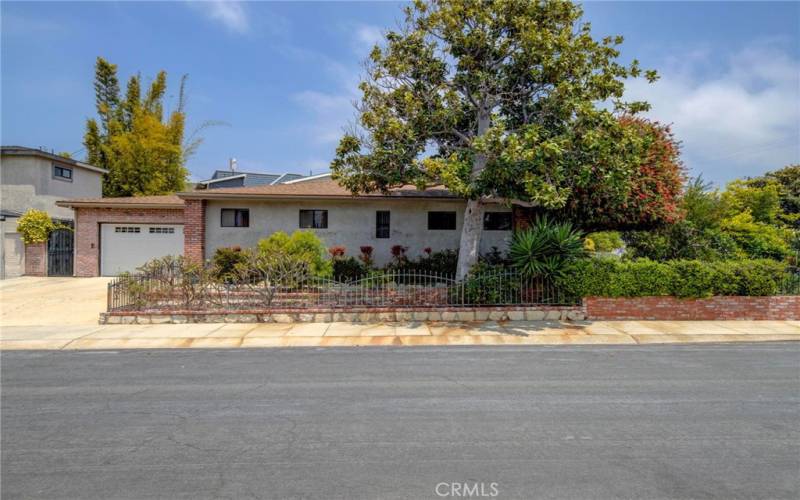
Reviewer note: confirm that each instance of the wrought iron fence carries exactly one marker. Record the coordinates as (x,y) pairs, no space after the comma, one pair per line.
(172,290)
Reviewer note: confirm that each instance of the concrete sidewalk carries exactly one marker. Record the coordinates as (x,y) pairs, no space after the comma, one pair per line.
(220,335)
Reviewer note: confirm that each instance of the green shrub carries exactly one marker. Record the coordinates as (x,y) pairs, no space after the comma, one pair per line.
(546,248)
(442,262)
(348,269)
(225,260)
(606,241)
(692,278)
(488,284)
(760,277)
(681,240)
(34,226)
(304,246)
(756,239)
(681,278)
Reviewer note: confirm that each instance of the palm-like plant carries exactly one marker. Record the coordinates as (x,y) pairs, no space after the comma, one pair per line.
(546,248)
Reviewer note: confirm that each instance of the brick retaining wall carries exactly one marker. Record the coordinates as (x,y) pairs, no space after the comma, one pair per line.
(36,259)
(713,308)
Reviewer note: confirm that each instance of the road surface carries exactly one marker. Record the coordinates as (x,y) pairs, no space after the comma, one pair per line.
(710,421)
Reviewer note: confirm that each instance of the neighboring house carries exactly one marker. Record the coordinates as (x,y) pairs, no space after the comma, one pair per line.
(120,234)
(31,178)
(235,178)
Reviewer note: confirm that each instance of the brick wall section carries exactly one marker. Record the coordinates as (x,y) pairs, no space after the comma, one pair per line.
(194,230)
(713,308)
(87,230)
(36,259)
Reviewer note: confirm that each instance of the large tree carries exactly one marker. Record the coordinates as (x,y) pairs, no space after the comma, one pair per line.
(505,99)
(143,153)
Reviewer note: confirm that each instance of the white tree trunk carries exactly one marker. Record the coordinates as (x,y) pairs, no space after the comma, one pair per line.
(469,247)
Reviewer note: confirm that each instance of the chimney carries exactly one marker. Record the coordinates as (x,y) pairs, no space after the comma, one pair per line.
(232,164)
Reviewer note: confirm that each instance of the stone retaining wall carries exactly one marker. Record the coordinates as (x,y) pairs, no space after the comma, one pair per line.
(779,307)
(349,315)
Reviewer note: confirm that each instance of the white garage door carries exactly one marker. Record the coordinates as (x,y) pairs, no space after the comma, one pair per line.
(124,247)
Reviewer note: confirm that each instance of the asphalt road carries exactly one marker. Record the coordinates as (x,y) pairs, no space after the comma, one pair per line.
(712,421)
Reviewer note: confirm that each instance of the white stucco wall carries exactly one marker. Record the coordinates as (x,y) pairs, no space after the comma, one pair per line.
(27,182)
(350,224)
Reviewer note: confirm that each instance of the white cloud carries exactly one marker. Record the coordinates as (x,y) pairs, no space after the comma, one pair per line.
(229,13)
(331,113)
(741,120)
(366,37)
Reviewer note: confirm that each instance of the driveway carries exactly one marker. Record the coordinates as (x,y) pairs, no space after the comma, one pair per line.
(52,301)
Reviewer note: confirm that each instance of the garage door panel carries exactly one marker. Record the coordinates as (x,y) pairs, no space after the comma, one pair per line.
(125,247)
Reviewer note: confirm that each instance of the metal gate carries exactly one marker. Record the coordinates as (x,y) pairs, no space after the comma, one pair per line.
(59,252)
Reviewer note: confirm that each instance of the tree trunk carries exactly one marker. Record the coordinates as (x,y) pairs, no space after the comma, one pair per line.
(469,247)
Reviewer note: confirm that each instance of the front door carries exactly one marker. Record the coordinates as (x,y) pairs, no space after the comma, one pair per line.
(59,252)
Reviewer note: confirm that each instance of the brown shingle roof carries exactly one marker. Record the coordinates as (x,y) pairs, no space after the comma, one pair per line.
(321,188)
(165,201)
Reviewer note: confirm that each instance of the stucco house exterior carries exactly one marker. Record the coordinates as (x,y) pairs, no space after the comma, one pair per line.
(118,234)
(32,178)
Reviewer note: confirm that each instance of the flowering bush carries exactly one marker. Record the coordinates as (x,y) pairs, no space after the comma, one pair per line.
(35,226)
(366,256)
(337,252)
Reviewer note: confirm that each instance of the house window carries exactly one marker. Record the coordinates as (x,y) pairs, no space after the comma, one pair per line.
(382,218)
(62,173)
(497,221)
(162,230)
(314,219)
(127,229)
(441,220)
(235,217)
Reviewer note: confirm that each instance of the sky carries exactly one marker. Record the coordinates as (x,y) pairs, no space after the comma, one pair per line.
(282,77)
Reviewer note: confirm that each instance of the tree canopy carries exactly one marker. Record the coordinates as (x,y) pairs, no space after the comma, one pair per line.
(143,153)
(511,99)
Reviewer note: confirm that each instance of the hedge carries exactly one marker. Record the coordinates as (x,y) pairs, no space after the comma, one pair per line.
(604,277)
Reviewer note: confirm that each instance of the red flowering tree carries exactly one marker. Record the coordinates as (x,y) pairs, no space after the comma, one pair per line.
(648,196)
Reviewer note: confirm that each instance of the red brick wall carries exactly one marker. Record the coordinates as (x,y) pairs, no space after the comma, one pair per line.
(713,308)
(194,230)
(36,259)
(87,230)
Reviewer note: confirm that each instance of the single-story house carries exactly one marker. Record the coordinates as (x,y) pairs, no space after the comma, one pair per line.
(120,234)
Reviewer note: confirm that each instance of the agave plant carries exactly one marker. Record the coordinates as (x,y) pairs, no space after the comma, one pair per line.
(546,248)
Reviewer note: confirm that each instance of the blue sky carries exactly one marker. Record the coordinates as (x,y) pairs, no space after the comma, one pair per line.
(283,75)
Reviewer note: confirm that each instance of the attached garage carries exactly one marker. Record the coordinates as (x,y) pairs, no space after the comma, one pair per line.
(125,247)
(114,235)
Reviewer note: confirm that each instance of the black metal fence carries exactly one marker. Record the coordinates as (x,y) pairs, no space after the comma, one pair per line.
(169,290)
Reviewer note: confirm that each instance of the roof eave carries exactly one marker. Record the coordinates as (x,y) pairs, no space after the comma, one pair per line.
(95,204)
(206,195)
(11,151)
